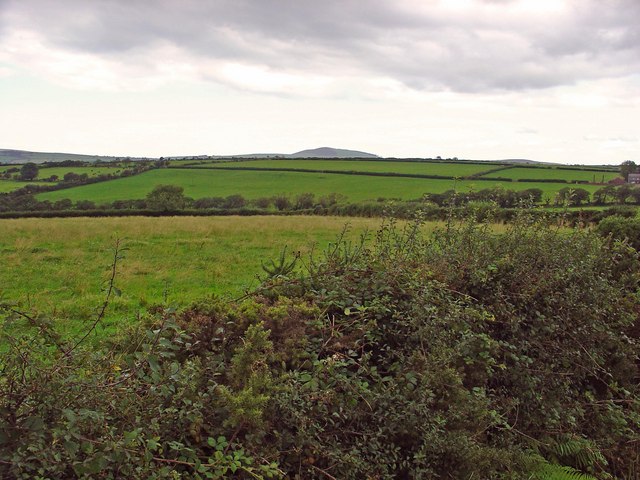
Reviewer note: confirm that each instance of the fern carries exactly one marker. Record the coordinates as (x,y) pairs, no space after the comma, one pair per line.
(581,452)
(551,471)
(282,267)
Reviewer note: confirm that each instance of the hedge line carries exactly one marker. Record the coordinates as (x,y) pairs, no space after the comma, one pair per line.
(401,211)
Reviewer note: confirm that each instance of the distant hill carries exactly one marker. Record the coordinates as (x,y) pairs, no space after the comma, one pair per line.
(23,156)
(328,152)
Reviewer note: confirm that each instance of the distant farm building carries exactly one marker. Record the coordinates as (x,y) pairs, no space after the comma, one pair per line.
(634,178)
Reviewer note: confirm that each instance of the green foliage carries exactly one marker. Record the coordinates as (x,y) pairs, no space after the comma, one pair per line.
(627,167)
(166,197)
(463,354)
(621,228)
(256,184)
(558,472)
(281,267)
(29,171)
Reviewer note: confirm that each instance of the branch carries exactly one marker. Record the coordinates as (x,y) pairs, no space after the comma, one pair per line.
(105,304)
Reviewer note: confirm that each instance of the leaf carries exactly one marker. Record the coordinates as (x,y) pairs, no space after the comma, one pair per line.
(35,424)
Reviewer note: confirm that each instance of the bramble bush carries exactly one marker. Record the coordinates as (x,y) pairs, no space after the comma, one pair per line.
(462,354)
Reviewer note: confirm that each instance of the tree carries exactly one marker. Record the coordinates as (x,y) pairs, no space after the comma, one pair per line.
(166,198)
(305,201)
(627,167)
(572,196)
(234,201)
(600,195)
(281,202)
(635,194)
(578,196)
(622,192)
(29,171)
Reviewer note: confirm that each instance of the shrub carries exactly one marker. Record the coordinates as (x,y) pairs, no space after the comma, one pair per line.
(621,228)
(465,354)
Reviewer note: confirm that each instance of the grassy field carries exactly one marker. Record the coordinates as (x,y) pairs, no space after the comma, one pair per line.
(254,184)
(421,168)
(59,266)
(90,171)
(11,185)
(518,173)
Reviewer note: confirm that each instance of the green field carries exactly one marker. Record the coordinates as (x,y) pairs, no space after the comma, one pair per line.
(59,266)
(540,173)
(417,168)
(255,184)
(11,185)
(90,171)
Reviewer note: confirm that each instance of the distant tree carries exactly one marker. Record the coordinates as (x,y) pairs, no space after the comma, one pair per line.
(29,171)
(282,202)
(572,196)
(531,194)
(234,201)
(209,202)
(635,194)
(622,193)
(166,198)
(578,196)
(330,199)
(305,201)
(64,204)
(85,205)
(71,177)
(600,196)
(627,167)
(262,202)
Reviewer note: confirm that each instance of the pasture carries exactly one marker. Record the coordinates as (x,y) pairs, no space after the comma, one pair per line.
(199,183)
(570,175)
(60,172)
(11,185)
(60,266)
(415,168)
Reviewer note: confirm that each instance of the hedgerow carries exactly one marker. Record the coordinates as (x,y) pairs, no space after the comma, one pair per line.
(464,354)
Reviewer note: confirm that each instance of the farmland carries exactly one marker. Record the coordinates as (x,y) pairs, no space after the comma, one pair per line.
(416,168)
(59,266)
(90,171)
(571,175)
(198,183)
(11,185)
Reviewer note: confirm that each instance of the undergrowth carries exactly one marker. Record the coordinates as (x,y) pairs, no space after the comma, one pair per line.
(463,354)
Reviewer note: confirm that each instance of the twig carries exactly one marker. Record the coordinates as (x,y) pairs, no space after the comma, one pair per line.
(327,474)
(105,304)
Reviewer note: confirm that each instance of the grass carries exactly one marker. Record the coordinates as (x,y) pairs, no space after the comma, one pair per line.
(11,185)
(90,171)
(59,266)
(255,184)
(422,168)
(541,173)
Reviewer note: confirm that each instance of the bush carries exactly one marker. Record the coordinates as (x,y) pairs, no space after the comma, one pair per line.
(621,228)
(465,354)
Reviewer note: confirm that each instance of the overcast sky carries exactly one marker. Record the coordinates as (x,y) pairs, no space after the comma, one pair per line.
(549,80)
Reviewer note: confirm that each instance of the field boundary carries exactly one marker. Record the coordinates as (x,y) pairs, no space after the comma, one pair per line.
(482,175)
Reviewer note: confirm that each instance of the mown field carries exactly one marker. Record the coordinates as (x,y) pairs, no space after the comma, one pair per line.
(11,185)
(90,171)
(519,173)
(199,183)
(59,266)
(415,168)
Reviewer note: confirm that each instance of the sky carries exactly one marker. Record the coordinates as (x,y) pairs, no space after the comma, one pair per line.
(547,80)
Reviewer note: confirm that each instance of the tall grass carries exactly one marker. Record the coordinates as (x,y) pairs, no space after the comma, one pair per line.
(59,265)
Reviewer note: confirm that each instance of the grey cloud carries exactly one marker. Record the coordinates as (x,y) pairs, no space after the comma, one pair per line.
(424,48)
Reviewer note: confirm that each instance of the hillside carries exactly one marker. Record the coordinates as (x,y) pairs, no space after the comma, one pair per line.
(24,156)
(328,152)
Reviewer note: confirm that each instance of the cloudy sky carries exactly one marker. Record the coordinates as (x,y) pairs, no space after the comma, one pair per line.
(550,80)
